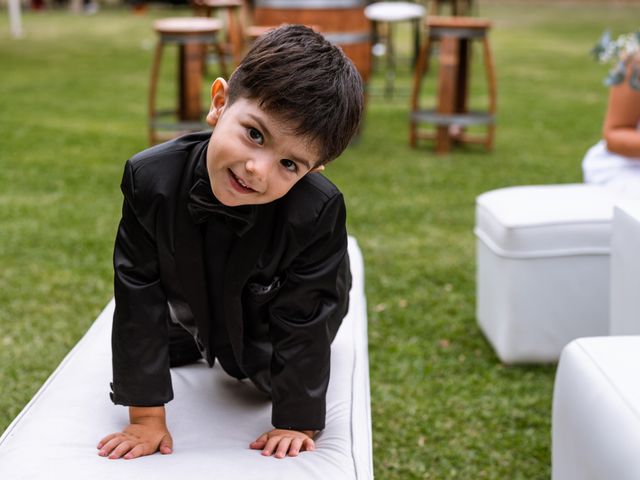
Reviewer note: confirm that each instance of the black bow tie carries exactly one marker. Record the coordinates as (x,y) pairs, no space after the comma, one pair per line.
(202,205)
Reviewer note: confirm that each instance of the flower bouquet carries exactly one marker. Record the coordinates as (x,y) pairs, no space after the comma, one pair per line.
(624,52)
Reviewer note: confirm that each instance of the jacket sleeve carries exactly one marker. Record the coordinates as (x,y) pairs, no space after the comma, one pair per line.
(304,318)
(140,339)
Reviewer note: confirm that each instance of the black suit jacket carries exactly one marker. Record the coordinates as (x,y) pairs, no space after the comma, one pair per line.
(286,286)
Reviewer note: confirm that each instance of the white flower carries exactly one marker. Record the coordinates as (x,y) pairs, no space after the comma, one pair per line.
(622,52)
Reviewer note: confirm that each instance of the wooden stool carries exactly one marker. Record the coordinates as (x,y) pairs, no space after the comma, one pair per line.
(452,116)
(388,13)
(234,41)
(191,35)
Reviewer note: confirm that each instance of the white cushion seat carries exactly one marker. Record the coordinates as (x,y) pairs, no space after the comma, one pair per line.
(542,267)
(394,11)
(213,417)
(625,269)
(596,400)
(596,410)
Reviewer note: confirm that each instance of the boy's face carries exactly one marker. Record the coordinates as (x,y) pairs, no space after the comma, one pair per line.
(252,157)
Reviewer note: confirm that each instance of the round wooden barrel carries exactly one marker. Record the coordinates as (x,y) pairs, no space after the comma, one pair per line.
(341,21)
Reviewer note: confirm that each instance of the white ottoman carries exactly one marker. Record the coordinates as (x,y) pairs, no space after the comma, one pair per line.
(542,268)
(212,419)
(596,410)
(625,270)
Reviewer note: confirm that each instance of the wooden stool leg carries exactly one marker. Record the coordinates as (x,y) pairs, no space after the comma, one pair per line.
(153,85)
(464,72)
(462,85)
(391,62)
(449,65)
(234,28)
(422,66)
(415,26)
(491,84)
(190,82)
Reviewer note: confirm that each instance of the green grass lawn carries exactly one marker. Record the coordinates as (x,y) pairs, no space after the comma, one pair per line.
(73,109)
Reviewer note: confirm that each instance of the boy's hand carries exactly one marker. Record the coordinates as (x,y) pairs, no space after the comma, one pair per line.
(282,442)
(146,434)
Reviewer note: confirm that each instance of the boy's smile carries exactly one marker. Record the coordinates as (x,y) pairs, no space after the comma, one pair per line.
(253,158)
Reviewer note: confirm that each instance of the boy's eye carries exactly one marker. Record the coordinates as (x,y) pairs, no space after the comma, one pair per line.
(256,136)
(289,165)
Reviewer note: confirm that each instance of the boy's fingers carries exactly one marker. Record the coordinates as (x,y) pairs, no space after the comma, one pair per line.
(272,443)
(110,445)
(105,440)
(280,444)
(135,452)
(259,442)
(295,447)
(121,449)
(166,445)
(283,447)
(308,444)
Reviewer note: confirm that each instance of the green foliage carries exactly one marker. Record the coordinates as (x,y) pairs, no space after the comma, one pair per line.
(73,107)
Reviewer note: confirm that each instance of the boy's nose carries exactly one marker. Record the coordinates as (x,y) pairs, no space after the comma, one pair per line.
(259,167)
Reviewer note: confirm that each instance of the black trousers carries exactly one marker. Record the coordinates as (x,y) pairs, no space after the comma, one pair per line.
(182,347)
(183,350)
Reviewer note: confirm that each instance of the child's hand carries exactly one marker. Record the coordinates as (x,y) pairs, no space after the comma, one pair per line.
(283,442)
(144,436)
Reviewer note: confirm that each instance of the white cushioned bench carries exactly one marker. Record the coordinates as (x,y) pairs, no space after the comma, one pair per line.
(596,398)
(213,417)
(625,270)
(596,410)
(542,267)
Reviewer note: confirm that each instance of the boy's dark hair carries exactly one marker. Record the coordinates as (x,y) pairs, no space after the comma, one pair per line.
(302,79)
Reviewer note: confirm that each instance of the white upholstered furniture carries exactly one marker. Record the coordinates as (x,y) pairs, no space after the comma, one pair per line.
(625,269)
(542,267)
(596,410)
(212,419)
(596,402)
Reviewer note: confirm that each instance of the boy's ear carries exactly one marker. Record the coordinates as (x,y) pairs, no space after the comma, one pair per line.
(319,168)
(219,91)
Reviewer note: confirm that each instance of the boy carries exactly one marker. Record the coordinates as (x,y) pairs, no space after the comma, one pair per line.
(232,247)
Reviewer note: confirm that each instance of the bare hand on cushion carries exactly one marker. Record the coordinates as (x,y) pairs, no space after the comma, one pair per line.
(145,435)
(280,442)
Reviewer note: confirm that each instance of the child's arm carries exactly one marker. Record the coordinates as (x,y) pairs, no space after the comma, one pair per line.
(140,375)
(140,334)
(279,442)
(304,318)
(146,434)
